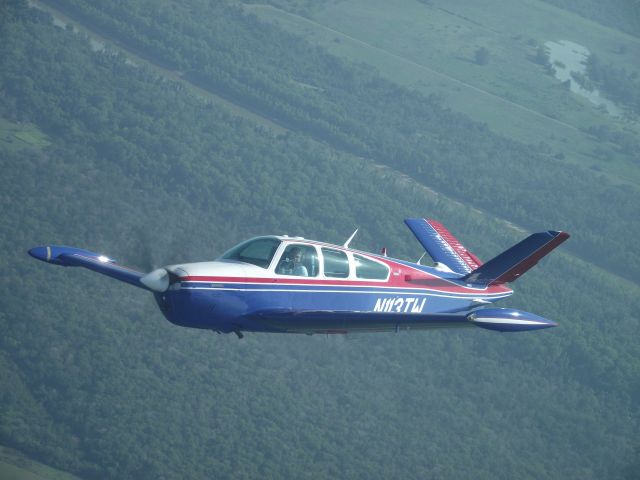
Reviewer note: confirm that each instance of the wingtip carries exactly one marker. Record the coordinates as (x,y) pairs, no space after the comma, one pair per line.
(40,253)
(559,234)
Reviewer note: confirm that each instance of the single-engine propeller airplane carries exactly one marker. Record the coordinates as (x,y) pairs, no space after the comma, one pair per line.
(293,285)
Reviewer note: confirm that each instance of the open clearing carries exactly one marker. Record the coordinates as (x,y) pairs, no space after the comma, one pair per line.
(16,466)
(430,48)
(15,136)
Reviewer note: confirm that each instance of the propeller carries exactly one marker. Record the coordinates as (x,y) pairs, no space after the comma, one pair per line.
(158,280)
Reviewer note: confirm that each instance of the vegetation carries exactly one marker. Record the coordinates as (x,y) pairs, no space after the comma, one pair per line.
(428,47)
(15,466)
(355,110)
(620,14)
(542,58)
(481,56)
(95,382)
(618,83)
(14,136)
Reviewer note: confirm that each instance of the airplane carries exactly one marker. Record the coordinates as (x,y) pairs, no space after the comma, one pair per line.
(278,283)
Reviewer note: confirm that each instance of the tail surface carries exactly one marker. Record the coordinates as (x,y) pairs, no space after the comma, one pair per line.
(442,246)
(512,263)
(446,249)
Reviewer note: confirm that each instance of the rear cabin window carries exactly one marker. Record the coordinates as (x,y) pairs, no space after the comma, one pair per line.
(368,269)
(336,263)
(258,251)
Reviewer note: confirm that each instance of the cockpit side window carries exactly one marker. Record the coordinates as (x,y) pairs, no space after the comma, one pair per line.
(336,263)
(299,260)
(258,251)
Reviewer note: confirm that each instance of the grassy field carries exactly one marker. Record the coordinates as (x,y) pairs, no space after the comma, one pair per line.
(430,47)
(16,466)
(14,136)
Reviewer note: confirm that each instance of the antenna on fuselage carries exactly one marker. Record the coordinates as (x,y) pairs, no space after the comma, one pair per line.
(421,257)
(346,244)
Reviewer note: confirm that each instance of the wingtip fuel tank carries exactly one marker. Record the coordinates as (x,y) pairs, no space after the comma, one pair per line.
(509,320)
(62,255)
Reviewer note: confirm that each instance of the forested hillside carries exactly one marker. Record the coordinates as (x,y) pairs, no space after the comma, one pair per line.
(117,159)
(621,14)
(355,110)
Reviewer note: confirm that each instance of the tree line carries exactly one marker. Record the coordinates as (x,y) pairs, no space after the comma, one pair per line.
(95,381)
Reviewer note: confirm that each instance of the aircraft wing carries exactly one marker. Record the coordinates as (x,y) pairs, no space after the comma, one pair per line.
(332,321)
(77,257)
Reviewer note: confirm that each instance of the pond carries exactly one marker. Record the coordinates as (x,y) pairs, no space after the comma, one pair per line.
(567,57)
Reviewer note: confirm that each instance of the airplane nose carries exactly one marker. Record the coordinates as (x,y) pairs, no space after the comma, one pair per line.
(158,280)
(41,253)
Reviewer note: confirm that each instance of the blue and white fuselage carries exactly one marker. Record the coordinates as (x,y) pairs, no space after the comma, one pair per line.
(293,285)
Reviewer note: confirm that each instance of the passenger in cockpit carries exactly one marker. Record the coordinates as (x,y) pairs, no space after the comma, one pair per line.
(292,263)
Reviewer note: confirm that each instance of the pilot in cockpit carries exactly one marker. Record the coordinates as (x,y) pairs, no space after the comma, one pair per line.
(291,263)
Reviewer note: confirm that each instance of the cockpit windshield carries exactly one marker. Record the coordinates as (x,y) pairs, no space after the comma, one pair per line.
(258,251)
